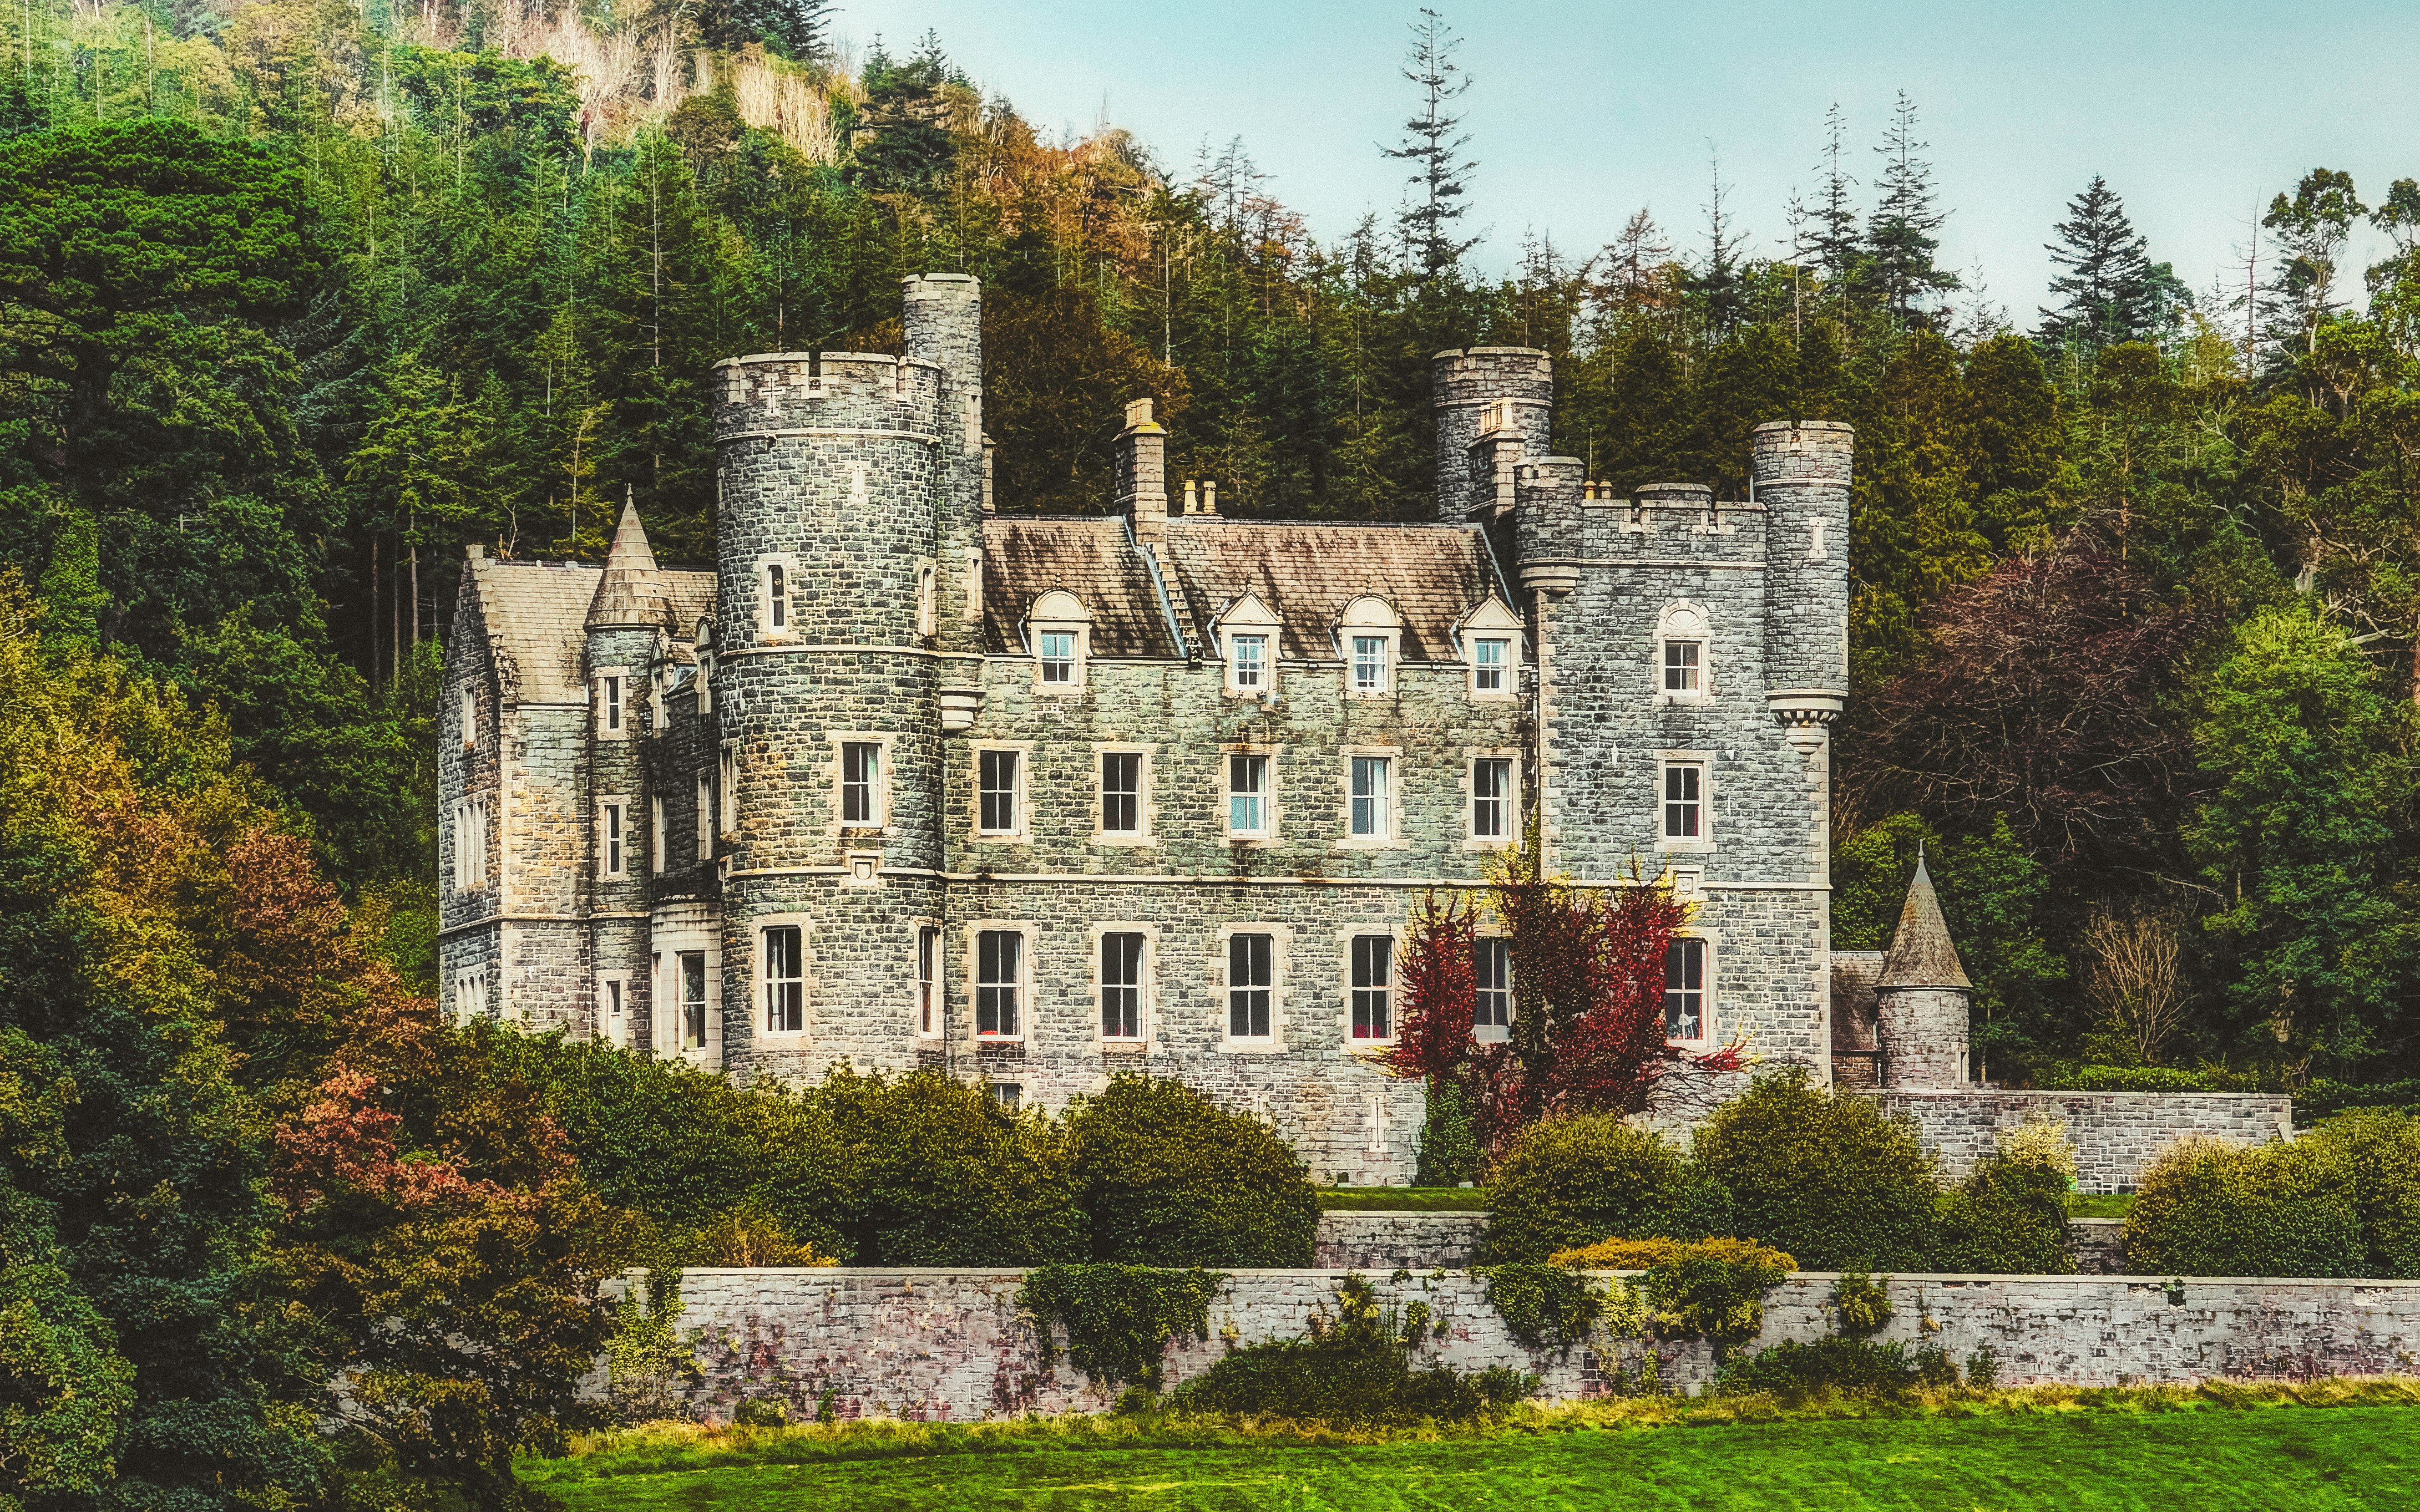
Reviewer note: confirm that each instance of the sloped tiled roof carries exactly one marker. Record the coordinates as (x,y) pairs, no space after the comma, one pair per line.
(1921,954)
(1091,557)
(1433,574)
(536,613)
(1854,975)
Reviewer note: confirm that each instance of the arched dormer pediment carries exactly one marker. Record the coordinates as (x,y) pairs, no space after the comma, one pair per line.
(1370,635)
(1370,612)
(1059,628)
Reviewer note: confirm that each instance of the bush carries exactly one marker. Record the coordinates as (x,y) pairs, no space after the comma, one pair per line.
(2009,1215)
(946,1176)
(2139,1079)
(2383,1150)
(1713,1287)
(1119,1318)
(1571,1182)
(1353,1369)
(2325,1098)
(1828,1179)
(1449,1153)
(2208,1207)
(1790,1368)
(1544,1306)
(1165,1177)
(1861,1303)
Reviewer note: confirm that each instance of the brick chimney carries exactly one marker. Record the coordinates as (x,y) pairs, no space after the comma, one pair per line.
(1142,474)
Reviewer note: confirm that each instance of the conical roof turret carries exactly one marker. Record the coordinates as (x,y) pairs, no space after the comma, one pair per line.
(629,593)
(1921,953)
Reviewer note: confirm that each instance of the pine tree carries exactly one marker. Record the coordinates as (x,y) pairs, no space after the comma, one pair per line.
(1834,243)
(2112,291)
(1722,288)
(1432,143)
(1905,223)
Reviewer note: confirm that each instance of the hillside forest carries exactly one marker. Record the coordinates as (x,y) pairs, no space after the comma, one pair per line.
(297,299)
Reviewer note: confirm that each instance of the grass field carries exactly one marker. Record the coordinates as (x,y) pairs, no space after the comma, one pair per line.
(2050,1449)
(1402,1199)
(2101,1205)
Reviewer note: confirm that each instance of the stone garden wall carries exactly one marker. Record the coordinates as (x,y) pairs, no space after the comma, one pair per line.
(2117,1135)
(935,1345)
(1385,1242)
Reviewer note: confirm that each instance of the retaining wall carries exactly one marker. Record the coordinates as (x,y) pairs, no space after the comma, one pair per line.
(2117,1135)
(943,1345)
(1387,1242)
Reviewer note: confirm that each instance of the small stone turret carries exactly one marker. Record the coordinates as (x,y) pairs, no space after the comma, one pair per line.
(1923,1003)
(1509,389)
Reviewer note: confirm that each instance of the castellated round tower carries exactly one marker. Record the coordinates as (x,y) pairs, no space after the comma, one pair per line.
(850,490)
(1478,390)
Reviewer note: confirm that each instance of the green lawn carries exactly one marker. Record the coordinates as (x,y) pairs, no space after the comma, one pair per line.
(1402,1199)
(2101,1205)
(2304,1459)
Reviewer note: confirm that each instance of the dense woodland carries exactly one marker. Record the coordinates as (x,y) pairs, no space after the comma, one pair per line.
(297,299)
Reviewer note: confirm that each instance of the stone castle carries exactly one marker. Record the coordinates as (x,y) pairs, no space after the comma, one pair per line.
(905,781)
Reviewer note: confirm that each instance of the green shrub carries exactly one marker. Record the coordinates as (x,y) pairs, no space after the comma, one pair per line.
(1165,1177)
(946,1176)
(1861,1303)
(1353,1369)
(2325,1098)
(2009,1215)
(1449,1154)
(2383,1150)
(1119,1318)
(1829,1178)
(2138,1079)
(2208,1207)
(762,1412)
(1568,1182)
(1544,1306)
(1857,1366)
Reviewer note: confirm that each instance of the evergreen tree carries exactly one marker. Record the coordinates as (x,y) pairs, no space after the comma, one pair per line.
(1834,243)
(1720,285)
(1902,233)
(1431,143)
(2110,291)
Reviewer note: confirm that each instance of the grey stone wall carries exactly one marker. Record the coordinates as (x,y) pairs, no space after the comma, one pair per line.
(1386,1242)
(951,1345)
(2117,1135)
(2098,1245)
(1924,1031)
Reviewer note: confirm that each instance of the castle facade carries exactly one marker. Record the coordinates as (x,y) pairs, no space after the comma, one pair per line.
(909,781)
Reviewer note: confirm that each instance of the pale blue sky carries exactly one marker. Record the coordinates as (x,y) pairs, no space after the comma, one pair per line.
(1581,113)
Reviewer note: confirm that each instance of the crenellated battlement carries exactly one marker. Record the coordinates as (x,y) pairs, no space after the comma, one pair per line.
(787,392)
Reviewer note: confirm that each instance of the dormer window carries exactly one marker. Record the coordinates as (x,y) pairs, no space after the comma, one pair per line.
(1248,635)
(1369,635)
(1250,654)
(1490,637)
(1060,629)
(1488,656)
(1368,664)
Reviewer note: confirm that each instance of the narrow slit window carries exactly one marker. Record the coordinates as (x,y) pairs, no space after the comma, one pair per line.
(786,983)
(657,827)
(1372,799)
(997,799)
(1121,793)
(1247,795)
(1250,961)
(1488,660)
(1491,794)
(1122,958)
(691,965)
(706,816)
(1494,969)
(928,981)
(613,840)
(1684,990)
(613,706)
(470,718)
(614,1010)
(1374,958)
(777,598)
(1683,801)
(860,776)
(1000,957)
(727,791)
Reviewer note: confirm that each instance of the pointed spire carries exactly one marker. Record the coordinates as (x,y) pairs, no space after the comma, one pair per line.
(1921,953)
(628,595)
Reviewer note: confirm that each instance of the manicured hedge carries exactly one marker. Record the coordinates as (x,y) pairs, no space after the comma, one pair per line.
(1829,1178)
(2208,1207)
(1571,1182)
(943,1175)
(2009,1215)
(2383,1149)
(1168,1178)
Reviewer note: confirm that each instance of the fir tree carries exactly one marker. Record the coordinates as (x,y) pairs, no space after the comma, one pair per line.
(1833,242)
(2112,291)
(1722,288)
(1432,143)
(1905,223)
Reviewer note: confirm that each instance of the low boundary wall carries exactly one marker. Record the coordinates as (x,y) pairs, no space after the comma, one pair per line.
(2117,1135)
(1397,1240)
(951,1345)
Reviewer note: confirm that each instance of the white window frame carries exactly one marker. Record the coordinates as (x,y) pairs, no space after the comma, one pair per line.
(1491,623)
(1146,1016)
(1221,984)
(612,837)
(1707,999)
(1683,621)
(1023,985)
(1393,839)
(928,1008)
(1511,799)
(1059,612)
(612,688)
(1267,757)
(614,1028)
(762,983)
(1248,618)
(1020,801)
(1492,1033)
(1146,811)
(471,845)
(672,1004)
(1667,761)
(841,740)
(1369,618)
(768,605)
(1346,939)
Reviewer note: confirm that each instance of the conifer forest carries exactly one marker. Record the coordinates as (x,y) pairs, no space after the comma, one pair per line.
(300,299)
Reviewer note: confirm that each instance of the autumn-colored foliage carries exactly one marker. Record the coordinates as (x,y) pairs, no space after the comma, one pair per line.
(1588,1032)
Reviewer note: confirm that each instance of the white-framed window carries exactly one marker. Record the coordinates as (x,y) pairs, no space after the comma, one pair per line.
(1000,984)
(615,1009)
(784,981)
(1009,1095)
(1373,969)
(612,703)
(1370,633)
(1684,803)
(726,789)
(1370,797)
(1252,985)
(1251,798)
(612,837)
(470,718)
(1684,654)
(928,981)
(1491,638)
(692,981)
(1492,968)
(1125,960)
(1248,631)
(1495,798)
(861,786)
(1686,995)
(1251,657)
(999,790)
(1491,664)
(659,833)
(1125,810)
(1060,631)
(706,816)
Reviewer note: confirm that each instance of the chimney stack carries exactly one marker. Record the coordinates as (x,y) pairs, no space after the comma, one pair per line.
(1142,474)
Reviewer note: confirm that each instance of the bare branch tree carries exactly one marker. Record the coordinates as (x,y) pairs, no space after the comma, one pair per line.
(2139,978)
